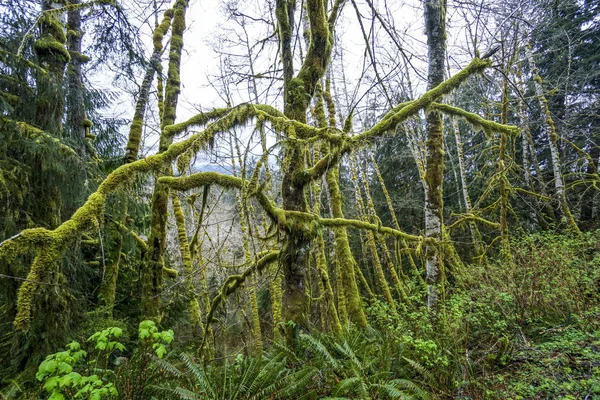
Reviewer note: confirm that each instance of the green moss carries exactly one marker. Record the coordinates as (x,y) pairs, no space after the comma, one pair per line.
(405,110)
(475,120)
(161,30)
(345,259)
(48,45)
(43,263)
(10,98)
(53,27)
(82,58)
(234,282)
(73,34)
(196,121)
(188,268)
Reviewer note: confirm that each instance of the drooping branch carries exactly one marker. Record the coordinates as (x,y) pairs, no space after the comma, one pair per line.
(477,121)
(200,179)
(49,245)
(233,282)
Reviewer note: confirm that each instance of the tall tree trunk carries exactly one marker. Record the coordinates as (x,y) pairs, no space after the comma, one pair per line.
(49,107)
(298,92)
(551,133)
(435,26)
(152,275)
(588,198)
(78,123)
(188,269)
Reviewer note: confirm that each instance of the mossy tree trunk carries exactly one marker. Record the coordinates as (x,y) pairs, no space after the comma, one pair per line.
(298,92)
(435,26)
(135,129)
(108,286)
(246,230)
(152,276)
(53,57)
(371,237)
(188,269)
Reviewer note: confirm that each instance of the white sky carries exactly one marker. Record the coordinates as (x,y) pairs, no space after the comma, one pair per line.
(205,21)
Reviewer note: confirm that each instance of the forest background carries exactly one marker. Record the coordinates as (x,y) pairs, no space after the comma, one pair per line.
(384,200)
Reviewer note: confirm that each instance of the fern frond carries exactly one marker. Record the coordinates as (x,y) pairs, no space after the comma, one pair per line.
(420,369)
(164,366)
(410,385)
(185,394)
(352,384)
(295,385)
(392,392)
(315,345)
(347,351)
(199,375)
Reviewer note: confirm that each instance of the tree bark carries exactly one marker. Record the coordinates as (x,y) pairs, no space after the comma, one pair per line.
(550,131)
(298,92)
(152,276)
(435,25)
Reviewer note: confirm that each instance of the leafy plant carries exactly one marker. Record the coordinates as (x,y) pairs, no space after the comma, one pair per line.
(61,380)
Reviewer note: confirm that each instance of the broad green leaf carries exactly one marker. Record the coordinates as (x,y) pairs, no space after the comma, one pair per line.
(51,383)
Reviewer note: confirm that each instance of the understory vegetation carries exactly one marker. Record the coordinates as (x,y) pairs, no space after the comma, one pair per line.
(368,205)
(507,331)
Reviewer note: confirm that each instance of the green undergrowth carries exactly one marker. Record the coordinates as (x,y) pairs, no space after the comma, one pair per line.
(524,327)
(562,363)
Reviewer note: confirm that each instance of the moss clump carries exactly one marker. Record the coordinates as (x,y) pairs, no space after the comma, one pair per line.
(10,98)
(405,110)
(47,45)
(53,27)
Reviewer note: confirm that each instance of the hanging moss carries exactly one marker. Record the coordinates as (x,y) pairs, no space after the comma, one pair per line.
(479,123)
(345,259)
(53,27)
(376,263)
(188,269)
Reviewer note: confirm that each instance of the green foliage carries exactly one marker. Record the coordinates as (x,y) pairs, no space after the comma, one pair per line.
(61,380)
(150,336)
(97,374)
(564,363)
(360,365)
(245,378)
